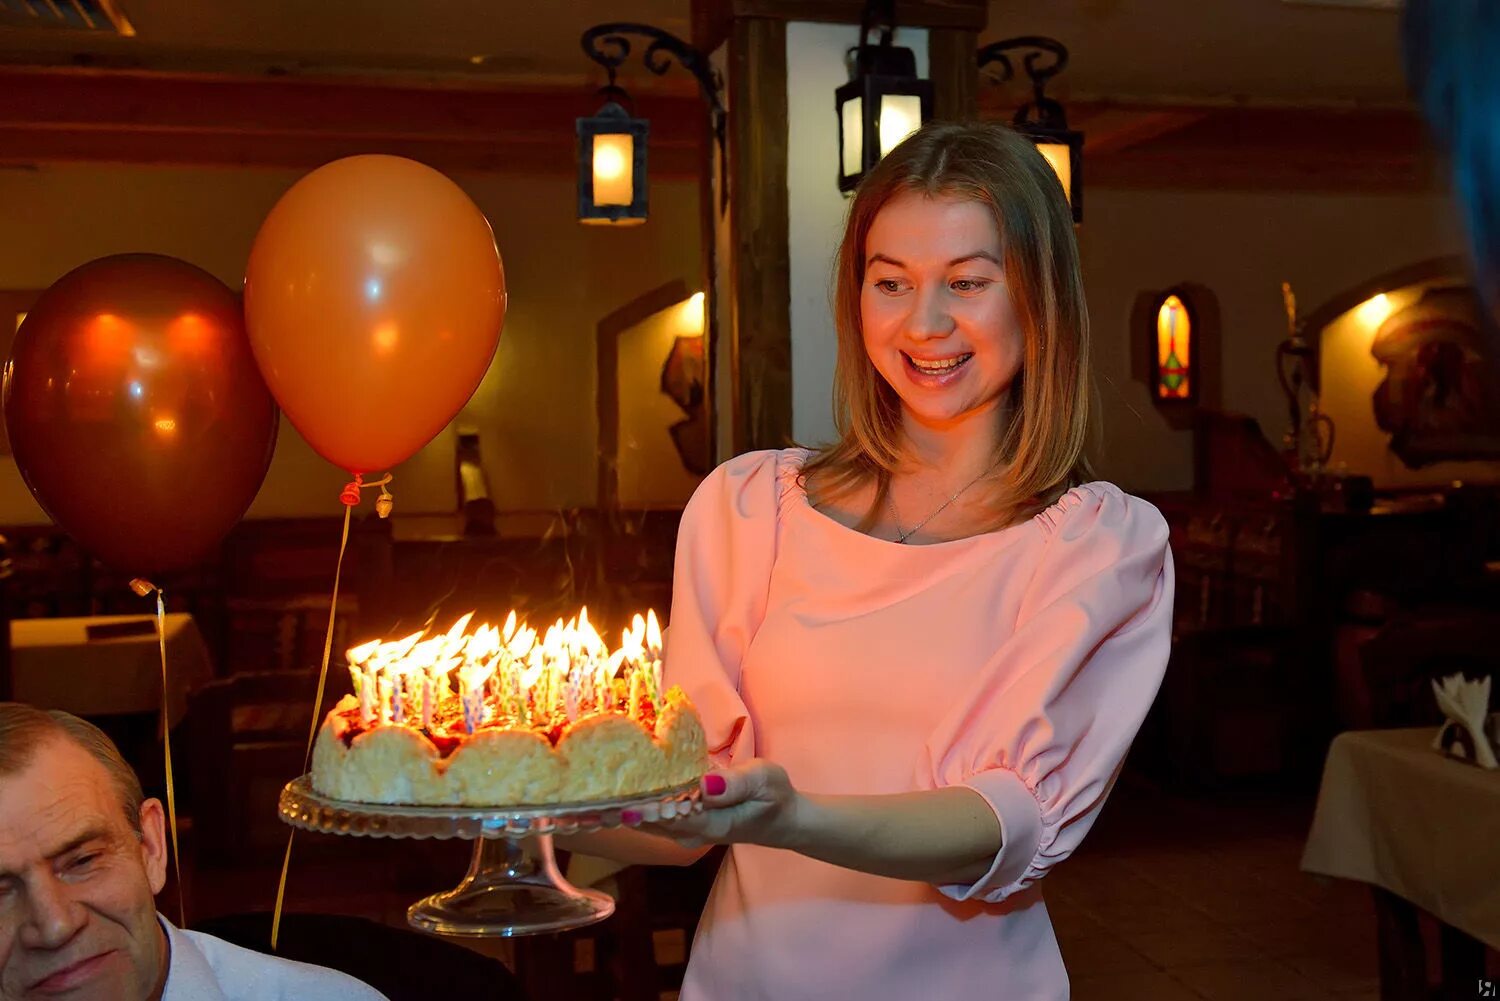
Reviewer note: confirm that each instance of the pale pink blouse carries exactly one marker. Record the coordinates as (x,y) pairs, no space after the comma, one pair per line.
(1019,663)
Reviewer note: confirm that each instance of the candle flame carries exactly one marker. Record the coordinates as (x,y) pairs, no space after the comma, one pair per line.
(456,634)
(653,632)
(507,672)
(358,655)
(522,643)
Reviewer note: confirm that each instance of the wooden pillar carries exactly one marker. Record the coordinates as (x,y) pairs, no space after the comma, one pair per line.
(760,314)
(955,73)
(753,339)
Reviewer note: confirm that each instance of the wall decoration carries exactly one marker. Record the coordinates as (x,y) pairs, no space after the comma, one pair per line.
(1174,350)
(1437,398)
(682,378)
(1174,334)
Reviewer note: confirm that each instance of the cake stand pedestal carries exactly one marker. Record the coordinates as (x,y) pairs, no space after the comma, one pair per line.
(507,891)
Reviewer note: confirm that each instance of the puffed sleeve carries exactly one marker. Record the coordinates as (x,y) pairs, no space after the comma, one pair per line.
(726,545)
(1043,732)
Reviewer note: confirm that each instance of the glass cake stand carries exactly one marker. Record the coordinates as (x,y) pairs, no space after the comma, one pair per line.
(506,892)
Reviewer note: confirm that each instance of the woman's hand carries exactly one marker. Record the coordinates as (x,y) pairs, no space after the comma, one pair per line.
(947,835)
(752,803)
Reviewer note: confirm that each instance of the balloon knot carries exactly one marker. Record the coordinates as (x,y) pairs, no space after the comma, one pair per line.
(383,503)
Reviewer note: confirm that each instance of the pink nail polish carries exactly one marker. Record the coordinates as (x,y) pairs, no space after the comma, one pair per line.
(714,785)
(630,817)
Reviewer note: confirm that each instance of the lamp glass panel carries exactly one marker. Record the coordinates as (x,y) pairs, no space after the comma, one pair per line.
(900,116)
(853,112)
(1174,348)
(614,163)
(1060,157)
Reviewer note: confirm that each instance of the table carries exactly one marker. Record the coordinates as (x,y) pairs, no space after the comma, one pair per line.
(55,665)
(1424,830)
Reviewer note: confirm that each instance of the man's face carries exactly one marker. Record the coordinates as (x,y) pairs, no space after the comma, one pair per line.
(77,915)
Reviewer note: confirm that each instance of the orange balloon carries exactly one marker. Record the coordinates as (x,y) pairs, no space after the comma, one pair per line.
(374,299)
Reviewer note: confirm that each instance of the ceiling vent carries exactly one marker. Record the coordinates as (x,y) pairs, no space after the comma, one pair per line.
(103,16)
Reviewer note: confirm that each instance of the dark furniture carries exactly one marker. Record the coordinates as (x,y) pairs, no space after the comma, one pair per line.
(247,737)
(1280,580)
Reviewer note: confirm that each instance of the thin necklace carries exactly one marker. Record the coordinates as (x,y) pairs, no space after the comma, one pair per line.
(890,500)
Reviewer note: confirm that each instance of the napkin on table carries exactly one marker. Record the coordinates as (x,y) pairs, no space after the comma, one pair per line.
(1469,731)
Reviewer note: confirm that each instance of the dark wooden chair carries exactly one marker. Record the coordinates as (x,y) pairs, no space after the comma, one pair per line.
(1239,705)
(1399,663)
(247,736)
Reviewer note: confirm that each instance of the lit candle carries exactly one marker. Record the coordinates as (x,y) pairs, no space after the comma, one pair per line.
(510,674)
(570,697)
(528,679)
(586,676)
(366,699)
(471,711)
(653,658)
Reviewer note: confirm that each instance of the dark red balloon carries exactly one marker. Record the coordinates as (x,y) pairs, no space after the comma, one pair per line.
(136,412)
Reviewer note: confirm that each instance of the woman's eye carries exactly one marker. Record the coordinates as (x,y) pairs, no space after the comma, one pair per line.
(968,284)
(888,285)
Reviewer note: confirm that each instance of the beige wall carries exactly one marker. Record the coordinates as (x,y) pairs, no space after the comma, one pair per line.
(1242,245)
(815,65)
(535,407)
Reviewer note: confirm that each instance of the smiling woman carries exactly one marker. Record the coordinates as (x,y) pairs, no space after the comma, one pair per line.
(921,654)
(941,317)
(957,274)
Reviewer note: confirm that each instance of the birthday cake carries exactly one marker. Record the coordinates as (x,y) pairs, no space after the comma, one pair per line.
(503,717)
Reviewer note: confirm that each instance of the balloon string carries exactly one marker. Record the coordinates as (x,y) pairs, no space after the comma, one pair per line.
(312,730)
(143,588)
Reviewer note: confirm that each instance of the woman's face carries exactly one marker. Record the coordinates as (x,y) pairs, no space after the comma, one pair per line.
(936,313)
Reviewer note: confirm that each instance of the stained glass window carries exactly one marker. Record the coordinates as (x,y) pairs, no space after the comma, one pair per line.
(1174,348)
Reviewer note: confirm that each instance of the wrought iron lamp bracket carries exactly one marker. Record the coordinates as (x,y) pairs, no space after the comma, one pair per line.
(1041,110)
(607,45)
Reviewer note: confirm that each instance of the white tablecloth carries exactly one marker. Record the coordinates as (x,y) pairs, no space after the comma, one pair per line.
(1395,813)
(54,665)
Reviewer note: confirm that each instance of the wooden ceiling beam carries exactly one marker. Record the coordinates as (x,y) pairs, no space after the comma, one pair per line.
(1247,147)
(712,18)
(52,115)
(1109,130)
(29,146)
(48,115)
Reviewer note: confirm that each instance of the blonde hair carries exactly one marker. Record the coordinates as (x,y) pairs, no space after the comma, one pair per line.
(24,729)
(1048,427)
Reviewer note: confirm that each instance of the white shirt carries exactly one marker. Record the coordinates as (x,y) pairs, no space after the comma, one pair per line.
(204,968)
